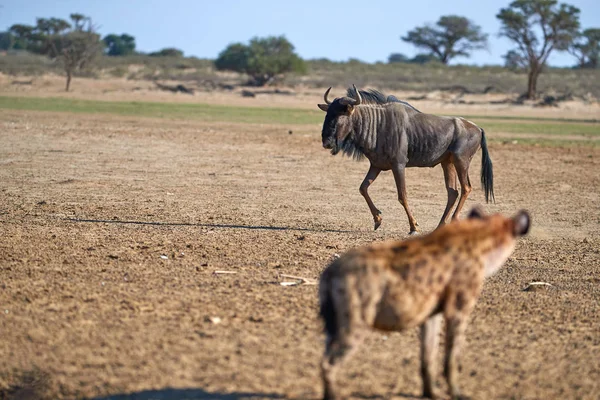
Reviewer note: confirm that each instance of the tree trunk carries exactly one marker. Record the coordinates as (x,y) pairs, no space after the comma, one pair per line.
(532,77)
(444,59)
(68,81)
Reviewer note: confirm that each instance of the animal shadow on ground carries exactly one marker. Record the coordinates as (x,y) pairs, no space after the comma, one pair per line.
(189,394)
(357,395)
(221,226)
(200,394)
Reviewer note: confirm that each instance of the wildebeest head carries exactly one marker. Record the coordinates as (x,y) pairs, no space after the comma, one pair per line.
(337,125)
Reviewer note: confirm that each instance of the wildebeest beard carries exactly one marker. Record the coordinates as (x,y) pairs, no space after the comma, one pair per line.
(348,147)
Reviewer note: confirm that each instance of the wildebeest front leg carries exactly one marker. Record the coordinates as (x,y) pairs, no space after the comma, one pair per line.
(430,340)
(398,171)
(364,187)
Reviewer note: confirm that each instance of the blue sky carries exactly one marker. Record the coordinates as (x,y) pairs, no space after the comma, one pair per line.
(338,30)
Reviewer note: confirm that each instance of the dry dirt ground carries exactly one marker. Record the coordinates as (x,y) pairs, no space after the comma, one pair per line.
(111,230)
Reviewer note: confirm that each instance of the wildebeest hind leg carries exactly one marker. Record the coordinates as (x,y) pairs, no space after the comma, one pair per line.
(364,187)
(462,169)
(398,171)
(451,188)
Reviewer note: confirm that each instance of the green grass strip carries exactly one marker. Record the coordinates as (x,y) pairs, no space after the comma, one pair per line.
(268,115)
(205,112)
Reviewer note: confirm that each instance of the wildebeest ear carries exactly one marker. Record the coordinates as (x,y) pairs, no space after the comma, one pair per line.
(350,109)
(323,107)
(522,222)
(476,212)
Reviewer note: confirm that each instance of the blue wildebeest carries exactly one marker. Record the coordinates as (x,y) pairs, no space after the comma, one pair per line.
(394,135)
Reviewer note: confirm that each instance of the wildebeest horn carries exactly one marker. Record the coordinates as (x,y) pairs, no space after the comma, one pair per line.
(349,101)
(326,94)
(358,98)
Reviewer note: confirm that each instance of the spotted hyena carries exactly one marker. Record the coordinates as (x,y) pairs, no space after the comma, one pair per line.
(393,286)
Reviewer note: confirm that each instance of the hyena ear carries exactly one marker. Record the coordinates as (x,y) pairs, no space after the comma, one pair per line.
(522,223)
(323,107)
(476,213)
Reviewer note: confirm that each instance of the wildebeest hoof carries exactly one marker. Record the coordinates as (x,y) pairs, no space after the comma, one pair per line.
(415,232)
(377,219)
(330,396)
(431,395)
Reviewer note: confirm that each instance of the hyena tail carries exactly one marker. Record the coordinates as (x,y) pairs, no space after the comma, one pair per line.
(327,309)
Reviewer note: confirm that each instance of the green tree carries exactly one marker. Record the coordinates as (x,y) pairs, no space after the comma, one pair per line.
(514,60)
(453,36)
(586,48)
(397,58)
(558,24)
(167,52)
(234,58)
(22,35)
(119,45)
(263,59)
(7,40)
(423,59)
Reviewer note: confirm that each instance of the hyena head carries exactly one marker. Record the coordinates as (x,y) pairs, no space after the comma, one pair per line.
(494,236)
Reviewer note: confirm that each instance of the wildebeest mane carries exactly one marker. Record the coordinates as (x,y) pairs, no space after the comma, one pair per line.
(369,96)
(372,96)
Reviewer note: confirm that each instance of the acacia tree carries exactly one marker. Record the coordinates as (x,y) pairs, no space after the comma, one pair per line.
(586,48)
(557,23)
(453,36)
(79,49)
(263,59)
(75,46)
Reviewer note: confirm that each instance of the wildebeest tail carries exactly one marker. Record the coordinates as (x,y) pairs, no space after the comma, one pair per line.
(487,173)
(327,306)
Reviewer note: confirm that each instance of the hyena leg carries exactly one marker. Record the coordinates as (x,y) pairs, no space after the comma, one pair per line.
(455,336)
(364,190)
(337,350)
(430,340)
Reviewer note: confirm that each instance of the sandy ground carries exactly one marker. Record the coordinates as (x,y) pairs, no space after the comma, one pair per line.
(446,103)
(111,230)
